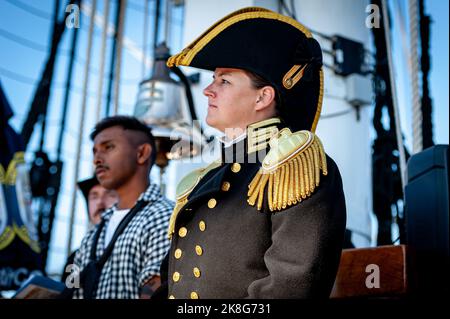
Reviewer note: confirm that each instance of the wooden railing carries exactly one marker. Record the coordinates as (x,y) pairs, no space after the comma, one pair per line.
(382,271)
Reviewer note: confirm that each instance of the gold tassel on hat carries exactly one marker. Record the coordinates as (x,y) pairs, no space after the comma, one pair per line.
(291,170)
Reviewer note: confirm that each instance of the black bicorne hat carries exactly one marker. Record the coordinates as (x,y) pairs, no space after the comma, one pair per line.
(273,46)
(86,185)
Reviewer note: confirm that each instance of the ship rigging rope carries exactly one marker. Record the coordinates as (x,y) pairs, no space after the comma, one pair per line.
(398,132)
(119,55)
(414,65)
(102,61)
(81,127)
(145,47)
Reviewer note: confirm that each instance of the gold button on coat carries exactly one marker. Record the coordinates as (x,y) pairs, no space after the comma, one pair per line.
(202,225)
(176,276)
(178,253)
(212,203)
(226,186)
(194,295)
(236,167)
(182,232)
(198,250)
(196,272)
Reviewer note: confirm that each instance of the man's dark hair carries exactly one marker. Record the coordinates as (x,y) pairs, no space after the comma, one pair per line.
(127,123)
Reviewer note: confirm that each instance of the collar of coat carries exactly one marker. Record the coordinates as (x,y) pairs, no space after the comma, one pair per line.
(257,139)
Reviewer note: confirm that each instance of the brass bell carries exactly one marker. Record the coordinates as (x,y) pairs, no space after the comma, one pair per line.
(160,104)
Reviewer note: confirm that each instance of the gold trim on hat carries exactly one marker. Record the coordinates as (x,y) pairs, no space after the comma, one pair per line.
(319,103)
(293,76)
(186,56)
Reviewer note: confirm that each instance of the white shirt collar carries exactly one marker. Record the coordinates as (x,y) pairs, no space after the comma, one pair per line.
(226,142)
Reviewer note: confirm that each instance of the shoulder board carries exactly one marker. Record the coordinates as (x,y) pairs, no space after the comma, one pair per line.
(184,188)
(291,170)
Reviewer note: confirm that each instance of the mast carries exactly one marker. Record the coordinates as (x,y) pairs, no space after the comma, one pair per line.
(81,126)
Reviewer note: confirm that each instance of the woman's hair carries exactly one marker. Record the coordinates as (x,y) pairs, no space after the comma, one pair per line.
(259,82)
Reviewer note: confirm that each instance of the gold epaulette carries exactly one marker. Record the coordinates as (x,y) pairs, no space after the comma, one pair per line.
(184,188)
(291,170)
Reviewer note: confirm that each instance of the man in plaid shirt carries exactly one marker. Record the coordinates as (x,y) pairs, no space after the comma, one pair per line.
(124,151)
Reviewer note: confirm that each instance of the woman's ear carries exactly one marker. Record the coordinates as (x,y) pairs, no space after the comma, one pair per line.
(144,153)
(266,98)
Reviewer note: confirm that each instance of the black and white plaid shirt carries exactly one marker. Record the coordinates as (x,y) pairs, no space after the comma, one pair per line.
(137,253)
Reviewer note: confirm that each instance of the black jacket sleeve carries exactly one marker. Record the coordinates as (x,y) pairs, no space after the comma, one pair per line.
(307,238)
(162,291)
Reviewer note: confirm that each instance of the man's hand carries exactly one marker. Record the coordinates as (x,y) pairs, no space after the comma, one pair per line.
(150,287)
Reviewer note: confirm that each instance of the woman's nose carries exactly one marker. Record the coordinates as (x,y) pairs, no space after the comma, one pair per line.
(208,91)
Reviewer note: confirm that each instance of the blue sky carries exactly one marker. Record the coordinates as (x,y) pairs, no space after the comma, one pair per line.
(20,66)
(439,68)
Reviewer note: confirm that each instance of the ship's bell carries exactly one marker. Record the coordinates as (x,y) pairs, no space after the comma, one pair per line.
(162,106)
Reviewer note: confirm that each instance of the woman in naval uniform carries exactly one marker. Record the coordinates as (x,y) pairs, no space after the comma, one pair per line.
(267,220)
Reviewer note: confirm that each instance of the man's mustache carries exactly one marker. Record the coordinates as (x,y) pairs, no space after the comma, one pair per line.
(100,166)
